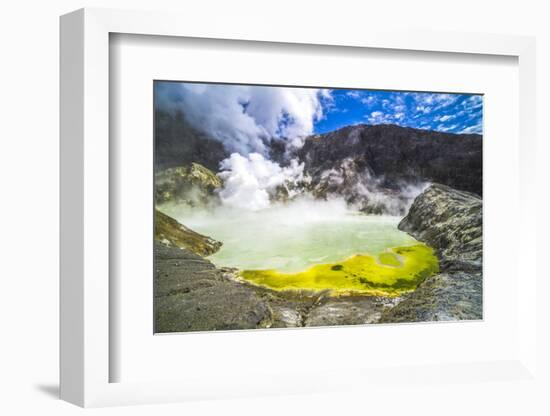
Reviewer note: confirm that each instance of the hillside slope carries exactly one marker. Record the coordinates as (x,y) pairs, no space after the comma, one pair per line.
(397,155)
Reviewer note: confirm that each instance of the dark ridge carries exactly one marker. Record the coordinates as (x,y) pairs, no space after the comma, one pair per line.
(400,155)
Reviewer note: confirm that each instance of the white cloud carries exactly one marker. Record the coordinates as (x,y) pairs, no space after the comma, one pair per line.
(399,107)
(424,109)
(428,102)
(370,100)
(445,100)
(249,181)
(244,117)
(473,103)
(378,117)
(477,129)
(444,128)
(425,98)
(364,97)
(445,118)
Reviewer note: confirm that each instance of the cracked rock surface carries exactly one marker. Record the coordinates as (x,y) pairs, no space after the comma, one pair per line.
(451,222)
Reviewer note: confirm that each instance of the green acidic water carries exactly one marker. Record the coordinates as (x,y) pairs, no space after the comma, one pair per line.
(292,238)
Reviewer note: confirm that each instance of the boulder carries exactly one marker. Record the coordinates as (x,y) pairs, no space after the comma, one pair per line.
(451,222)
(191,294)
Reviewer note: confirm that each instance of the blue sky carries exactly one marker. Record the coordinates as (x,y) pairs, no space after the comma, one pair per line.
(452,113)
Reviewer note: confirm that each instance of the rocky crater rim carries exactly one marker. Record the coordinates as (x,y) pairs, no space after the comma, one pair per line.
(192,294)
(451,222)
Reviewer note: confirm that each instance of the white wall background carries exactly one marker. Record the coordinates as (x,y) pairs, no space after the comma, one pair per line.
(29,183)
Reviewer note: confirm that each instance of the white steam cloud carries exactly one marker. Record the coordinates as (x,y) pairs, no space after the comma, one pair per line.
(245,118)
(366,192)
(249,182)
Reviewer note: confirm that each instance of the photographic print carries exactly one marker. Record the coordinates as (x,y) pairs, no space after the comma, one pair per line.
(283,206)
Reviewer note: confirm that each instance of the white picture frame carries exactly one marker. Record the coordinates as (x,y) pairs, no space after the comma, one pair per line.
(85,163)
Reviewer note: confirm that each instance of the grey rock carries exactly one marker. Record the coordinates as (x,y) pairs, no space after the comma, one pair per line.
(192,184)
(192,295)
(451,222)
(397,155)
(171,233)
(348,311)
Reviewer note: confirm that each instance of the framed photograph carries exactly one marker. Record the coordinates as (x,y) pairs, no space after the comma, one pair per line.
(281,213)
(285,206)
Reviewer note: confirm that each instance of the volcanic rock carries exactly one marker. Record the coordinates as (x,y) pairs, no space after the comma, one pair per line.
(451,222)
(397,155)
(171,233)
(192,184)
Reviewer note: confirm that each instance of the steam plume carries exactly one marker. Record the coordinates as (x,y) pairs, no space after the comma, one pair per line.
(250,181)
(245,118)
